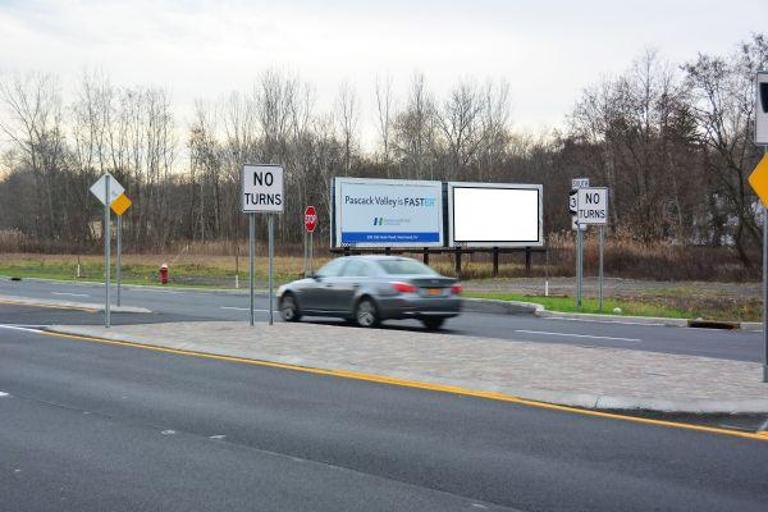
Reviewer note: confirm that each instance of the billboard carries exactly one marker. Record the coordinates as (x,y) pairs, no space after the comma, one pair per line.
(495,215)
(387,213)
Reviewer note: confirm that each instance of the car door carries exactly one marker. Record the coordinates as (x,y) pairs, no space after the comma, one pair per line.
(318,296)
(346,286)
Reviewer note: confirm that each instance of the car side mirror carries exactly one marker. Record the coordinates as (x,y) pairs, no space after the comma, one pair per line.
(315,276)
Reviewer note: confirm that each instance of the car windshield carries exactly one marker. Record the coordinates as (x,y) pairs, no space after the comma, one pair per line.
(406,267)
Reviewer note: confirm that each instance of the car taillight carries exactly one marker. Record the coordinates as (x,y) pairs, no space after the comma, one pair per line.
(457,289)
(404,287)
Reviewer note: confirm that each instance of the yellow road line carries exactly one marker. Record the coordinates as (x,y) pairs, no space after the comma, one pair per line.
(442,388)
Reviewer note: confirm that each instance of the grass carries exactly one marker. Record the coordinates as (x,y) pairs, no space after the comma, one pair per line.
(217,271)
(590,305)
(195,271)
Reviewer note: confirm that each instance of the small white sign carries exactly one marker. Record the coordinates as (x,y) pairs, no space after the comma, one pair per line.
(575,226)
(592,206)
(572,199)
(761,109)
(262,189)
(577,183)
(99,189)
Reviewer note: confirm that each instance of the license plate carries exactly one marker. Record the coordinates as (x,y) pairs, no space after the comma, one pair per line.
(434,291)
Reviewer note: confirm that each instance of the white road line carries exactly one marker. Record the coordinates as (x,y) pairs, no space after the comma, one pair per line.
(571,335)
(615,322)
(235,308)
(2,394)
(18,328)
(70,294)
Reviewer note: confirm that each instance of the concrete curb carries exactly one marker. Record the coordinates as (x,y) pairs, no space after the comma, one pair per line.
(596,402)
(24,301)
(504,307)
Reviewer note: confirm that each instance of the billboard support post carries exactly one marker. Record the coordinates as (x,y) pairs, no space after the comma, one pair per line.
(495,262)
(458,261)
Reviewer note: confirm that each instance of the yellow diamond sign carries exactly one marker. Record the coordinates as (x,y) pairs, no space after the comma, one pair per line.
(758,180)
(120,204)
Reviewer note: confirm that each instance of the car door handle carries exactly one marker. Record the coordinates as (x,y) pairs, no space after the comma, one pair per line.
(355,285)
(329,285)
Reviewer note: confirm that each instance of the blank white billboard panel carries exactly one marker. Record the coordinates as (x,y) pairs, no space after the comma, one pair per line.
(495,215)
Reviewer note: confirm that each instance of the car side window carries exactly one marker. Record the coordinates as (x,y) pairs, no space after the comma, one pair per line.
(356,268)
(332,268)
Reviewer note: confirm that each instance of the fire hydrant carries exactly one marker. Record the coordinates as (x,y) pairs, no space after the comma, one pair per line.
(164,273)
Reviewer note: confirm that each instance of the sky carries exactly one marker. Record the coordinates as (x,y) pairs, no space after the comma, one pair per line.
(547,50)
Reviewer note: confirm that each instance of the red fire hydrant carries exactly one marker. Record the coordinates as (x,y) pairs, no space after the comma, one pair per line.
(164,273)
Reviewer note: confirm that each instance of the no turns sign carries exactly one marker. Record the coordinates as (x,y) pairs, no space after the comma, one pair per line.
(262,189)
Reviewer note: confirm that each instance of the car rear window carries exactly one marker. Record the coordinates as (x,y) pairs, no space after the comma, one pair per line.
(406,267)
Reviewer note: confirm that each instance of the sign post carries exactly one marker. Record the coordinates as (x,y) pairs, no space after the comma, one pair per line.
(576,184)
(262,192)
(758,180)
(271,228)
(251,250)
(107,247)
(592,208)
(112,195)
(310,223)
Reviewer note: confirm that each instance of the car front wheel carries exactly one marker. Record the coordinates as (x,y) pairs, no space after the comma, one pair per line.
(289,309)
(366,314)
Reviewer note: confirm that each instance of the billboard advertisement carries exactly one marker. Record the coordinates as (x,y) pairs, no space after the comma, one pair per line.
(387,213)
(495,215)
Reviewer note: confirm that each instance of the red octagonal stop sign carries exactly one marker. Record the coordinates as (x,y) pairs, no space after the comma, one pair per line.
(310,219)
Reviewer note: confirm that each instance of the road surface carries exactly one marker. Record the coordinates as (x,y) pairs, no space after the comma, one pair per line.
(211,305)
(87,426)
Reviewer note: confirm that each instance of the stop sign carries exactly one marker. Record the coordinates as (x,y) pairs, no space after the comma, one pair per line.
(310,219)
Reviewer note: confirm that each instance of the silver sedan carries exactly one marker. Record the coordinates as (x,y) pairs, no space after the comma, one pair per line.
(369,289)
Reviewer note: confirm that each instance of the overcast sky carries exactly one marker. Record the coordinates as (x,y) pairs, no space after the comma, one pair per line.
(548,51)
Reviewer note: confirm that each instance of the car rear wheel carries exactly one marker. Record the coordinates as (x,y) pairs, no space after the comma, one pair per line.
(289,308)
(433,324)
(366,314)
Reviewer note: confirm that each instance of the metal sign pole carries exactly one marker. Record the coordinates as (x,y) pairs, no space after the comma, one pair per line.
(306,252)
(119,252)
(311,250)
(765,287)
(271,226)
(580,265)
(251,249)
(600,271)
(107,256)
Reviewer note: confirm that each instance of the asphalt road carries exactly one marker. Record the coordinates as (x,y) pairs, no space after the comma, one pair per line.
(179,304)
(87,426)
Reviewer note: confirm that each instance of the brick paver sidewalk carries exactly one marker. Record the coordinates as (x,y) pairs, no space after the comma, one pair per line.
(595,377)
